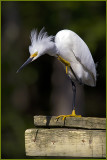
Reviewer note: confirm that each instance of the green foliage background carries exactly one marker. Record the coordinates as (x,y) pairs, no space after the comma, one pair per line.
(28,93)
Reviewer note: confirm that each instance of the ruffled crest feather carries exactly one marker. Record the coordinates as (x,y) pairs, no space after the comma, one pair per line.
(40,42)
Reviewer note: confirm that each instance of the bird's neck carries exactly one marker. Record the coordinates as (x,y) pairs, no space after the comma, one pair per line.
(52,50)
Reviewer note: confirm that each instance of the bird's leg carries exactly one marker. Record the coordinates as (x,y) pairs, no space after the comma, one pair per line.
(74,98)
(66,70)
(63,61)
(73,114)
(74,94)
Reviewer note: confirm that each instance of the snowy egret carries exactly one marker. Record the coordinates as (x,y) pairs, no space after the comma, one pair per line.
(69,49)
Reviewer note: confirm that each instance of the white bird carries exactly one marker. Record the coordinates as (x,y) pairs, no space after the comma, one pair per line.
(72,51)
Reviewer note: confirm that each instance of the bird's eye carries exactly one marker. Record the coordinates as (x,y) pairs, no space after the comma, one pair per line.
(34,55)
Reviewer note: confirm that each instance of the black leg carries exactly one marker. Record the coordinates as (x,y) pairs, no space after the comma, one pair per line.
(73,114)
(74,94)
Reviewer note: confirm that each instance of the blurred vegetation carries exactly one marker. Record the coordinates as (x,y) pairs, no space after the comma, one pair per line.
(28,93)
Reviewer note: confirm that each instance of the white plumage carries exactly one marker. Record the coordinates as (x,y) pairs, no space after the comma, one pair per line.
(71,50)
(41,43)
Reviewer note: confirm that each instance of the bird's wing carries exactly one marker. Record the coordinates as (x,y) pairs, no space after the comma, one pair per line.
(82,54)
(72,48)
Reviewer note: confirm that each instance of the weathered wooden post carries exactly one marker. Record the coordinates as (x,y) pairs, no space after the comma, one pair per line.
(83,137)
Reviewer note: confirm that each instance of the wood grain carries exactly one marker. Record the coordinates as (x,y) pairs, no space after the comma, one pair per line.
(65,142)
(73,122)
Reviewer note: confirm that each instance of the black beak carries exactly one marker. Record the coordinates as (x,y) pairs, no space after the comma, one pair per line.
(27,62)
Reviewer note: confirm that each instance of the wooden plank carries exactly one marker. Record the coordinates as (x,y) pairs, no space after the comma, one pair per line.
(65,142)
(75,122)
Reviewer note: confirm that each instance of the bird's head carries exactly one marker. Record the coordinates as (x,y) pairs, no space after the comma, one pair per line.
(40,44)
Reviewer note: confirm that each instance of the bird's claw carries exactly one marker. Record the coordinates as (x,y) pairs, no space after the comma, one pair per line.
(64,116)
(71,115)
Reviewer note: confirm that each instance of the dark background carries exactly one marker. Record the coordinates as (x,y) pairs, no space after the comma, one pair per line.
(42,87)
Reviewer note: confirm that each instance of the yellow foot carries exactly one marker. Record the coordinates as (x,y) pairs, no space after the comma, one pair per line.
(71,115)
